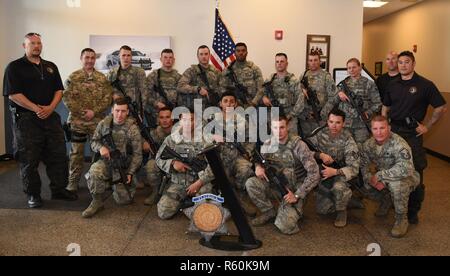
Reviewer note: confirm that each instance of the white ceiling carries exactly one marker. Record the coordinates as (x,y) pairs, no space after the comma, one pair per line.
(391,7)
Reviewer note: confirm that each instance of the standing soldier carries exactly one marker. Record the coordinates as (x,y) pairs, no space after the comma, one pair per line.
(320,82)
(200,81)
(162,84)
(339,155)
(296,163)
(406,101)
(131,78)
(285,92)
(394,171)
(154,174)
(88,95)
(364,94)
(126,138)
(392,73)
(184,182)
(245,74)
(34,88)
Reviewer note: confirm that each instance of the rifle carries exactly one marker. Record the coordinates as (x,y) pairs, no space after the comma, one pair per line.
(132,106)
(160,89)
(268,89)
(355,103)
(213,98)
(196,164)
(312,99)
(275,177)
(241,91)
(118,162)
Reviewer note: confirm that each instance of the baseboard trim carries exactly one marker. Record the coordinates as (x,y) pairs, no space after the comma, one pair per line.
(438,155)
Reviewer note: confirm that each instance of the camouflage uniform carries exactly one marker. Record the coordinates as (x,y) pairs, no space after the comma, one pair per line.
(84,91)
(238,168)
(395,169)
(132,80)
(368,94)
(169,82)
(125,136)
(298,165)
(286,91)
(325,88)
(175,194)
(249,75)
(152,171)
(333,195)
(191,81)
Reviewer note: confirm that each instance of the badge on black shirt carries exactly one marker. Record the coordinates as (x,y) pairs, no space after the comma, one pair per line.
(413,90)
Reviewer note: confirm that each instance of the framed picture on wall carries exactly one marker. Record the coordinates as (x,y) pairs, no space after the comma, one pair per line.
(319,44)
(378,68)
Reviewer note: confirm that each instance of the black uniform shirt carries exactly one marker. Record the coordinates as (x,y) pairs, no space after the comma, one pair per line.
(411,98)
(38,83)
(383,82)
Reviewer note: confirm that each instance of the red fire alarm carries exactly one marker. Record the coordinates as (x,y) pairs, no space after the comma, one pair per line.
(415,48)
(278,35)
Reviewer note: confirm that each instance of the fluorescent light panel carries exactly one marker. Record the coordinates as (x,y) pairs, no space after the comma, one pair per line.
(374,4)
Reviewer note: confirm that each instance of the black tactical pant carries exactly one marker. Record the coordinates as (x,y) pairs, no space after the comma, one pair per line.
(420,163)
(37,140)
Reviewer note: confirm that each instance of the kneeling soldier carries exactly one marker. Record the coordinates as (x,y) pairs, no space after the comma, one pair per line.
(296,165)
(338,153)
(186,180)
(116,133)
(394,168)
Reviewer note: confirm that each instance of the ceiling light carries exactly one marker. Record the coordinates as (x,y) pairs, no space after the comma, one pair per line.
(373,4)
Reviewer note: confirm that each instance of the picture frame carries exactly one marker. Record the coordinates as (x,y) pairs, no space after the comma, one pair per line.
(320,44)
(378,68)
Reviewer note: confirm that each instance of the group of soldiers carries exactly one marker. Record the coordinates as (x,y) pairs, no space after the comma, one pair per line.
(327,144)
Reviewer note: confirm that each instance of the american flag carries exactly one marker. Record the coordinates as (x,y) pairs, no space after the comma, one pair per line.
(223,45)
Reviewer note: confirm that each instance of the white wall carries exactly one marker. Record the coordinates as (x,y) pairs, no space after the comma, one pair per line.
(190,23)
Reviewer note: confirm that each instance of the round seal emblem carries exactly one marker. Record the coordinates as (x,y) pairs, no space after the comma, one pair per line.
(208,216)
(50,70)
(413,90)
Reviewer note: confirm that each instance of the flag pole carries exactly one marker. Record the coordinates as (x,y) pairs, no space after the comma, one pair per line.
(217,4)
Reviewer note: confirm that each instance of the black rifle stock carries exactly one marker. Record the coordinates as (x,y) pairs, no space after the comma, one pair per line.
(276,178)
(160,90)
(132,106)
(241,91)
(196,164)
(352,100)
(312,99)
(213,97)
(117,161)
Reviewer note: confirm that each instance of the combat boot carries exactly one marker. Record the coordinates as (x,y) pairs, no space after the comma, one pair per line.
(151,199)
(264,218)
(341,219)
(246,204)
(95,207)
(383,208)
(401,226)
(72,187)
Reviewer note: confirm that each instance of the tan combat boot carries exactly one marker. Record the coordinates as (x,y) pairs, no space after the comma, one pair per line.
(264,218)
(341,219)
(95,206)
(72,187)
(401,226)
